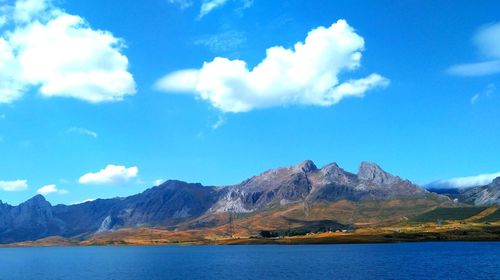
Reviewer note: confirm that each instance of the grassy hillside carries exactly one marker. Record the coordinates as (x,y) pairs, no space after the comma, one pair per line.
(493,217)
(448,214)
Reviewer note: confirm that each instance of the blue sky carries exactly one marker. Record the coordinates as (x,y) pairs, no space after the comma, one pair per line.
(92,103)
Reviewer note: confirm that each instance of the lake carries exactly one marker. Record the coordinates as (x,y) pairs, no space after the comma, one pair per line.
(443,260)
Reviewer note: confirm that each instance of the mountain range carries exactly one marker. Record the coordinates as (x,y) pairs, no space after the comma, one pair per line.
(291,196)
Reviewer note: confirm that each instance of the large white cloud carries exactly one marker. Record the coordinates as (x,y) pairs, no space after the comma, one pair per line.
(11,88)
(50,189)
(61,55)
(13,186)
(308,74)
(110,175)
(487,40)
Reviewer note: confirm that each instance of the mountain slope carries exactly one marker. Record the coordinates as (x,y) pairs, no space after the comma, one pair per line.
(485,195)
(32,219)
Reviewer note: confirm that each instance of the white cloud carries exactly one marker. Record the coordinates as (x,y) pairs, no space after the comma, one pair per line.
(26,10)
(84,201)
(13,186)
(3,20)
(209,5)
(476,69)
(470,181)
(490,90)
(487,40)
(50,189)
(62,56)
(11,88)
(158,182)
(110,175)
(475,98)
(246,4)
(82,131)
(308,74)
(220,121)
(182,4)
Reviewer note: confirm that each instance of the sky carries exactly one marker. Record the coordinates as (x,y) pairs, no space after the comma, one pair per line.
(100,99)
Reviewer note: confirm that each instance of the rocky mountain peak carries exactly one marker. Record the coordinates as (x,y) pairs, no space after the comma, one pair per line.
(496,182)
(36,203)
(332,167)
(332,170)
(332,173)
(37,200)
(306,166)
(372,172)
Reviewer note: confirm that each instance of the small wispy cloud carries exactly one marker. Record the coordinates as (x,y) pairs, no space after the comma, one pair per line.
(245,4)
(487,41)
(490,90)
(50,189)
(209,5)
(182,4)
(474,98)
(220,121)
(82,131)
(465,182)
(158,182)
(476,69)
(230,40)
(83,201)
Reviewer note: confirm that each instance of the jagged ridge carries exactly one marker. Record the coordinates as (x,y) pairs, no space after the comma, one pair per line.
(175,202)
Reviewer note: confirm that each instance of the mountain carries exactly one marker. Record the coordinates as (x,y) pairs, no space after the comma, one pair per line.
(165,205)
(299,194)
(32,219)
(485,195)
(306,183)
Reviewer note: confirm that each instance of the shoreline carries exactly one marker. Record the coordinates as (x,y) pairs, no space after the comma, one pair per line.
(362,237)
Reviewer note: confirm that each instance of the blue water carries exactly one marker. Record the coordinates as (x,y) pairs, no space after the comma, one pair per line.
(372,261)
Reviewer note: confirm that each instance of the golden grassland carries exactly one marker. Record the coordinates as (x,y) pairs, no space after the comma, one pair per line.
(451,231)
